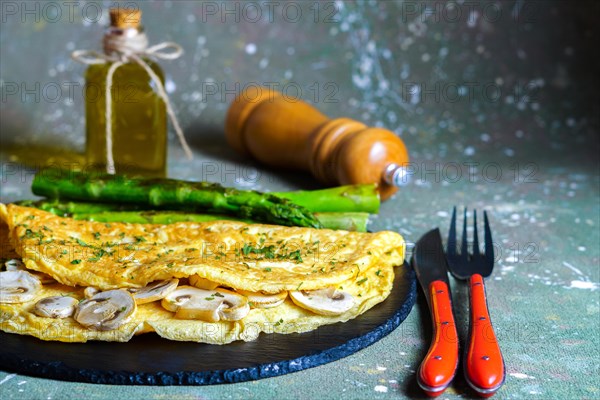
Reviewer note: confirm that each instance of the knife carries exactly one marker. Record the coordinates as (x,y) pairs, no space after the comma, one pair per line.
(439,366)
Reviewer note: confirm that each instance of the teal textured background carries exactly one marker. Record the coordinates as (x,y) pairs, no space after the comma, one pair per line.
(497,103)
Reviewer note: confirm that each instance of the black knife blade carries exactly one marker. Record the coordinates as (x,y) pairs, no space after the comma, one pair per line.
(429,261)
(439,365)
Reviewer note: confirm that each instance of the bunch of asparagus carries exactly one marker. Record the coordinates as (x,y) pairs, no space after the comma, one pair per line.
(115,198)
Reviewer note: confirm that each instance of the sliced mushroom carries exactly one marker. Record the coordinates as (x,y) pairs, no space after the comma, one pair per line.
(17,265)
(183,294)
(328,301)
(14,265)
(154,291)
(55,307)
(189,302)
(202,283)
(90,292)
(106,310)
(18,286)
(261,300)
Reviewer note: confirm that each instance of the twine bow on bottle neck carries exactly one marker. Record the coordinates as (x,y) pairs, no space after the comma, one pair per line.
(121,47)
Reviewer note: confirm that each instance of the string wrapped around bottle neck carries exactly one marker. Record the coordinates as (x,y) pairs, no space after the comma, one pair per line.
(122,46)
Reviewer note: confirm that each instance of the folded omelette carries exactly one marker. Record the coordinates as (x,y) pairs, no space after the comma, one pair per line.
(213,282)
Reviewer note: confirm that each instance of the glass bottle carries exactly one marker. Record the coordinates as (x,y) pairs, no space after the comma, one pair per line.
(139,117)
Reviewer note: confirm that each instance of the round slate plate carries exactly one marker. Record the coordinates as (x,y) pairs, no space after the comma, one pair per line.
(150,360)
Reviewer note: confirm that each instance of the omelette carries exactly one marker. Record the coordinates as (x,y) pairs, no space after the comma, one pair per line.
(214,282)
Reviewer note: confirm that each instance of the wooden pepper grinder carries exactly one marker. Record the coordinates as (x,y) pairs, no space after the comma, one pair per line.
(283,132)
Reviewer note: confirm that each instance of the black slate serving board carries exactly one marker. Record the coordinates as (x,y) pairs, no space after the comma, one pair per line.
(150,360)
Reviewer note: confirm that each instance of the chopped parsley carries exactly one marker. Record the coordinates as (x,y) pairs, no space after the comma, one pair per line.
(29,234)
(97,255)
(363,280)
(81,242)
(267,251)
(295,255)
(246,249)
(76,262)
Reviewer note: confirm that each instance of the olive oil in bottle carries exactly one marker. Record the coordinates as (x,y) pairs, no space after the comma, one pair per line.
(139,118)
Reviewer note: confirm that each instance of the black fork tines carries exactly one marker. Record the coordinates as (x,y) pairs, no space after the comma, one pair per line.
(489,244)
(475,238)
(451,250)
(464,250)
(464,263)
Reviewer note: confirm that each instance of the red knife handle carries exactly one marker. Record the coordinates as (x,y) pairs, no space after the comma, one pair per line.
(484,365)
(439,366)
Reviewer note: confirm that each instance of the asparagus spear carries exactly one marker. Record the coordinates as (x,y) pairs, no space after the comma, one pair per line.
(350,221)
(68,208)
(344,221)
(104,212)
(349,198)
(153,217)
(211,197)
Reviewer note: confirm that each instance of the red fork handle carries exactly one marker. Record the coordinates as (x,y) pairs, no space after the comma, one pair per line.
(484,365)
(439,366)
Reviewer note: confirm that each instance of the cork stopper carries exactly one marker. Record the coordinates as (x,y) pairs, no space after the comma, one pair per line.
(125,18)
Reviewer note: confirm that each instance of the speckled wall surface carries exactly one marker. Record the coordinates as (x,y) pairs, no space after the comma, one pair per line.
(496,101)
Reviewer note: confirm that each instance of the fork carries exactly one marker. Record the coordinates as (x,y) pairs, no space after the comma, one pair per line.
(483,363)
